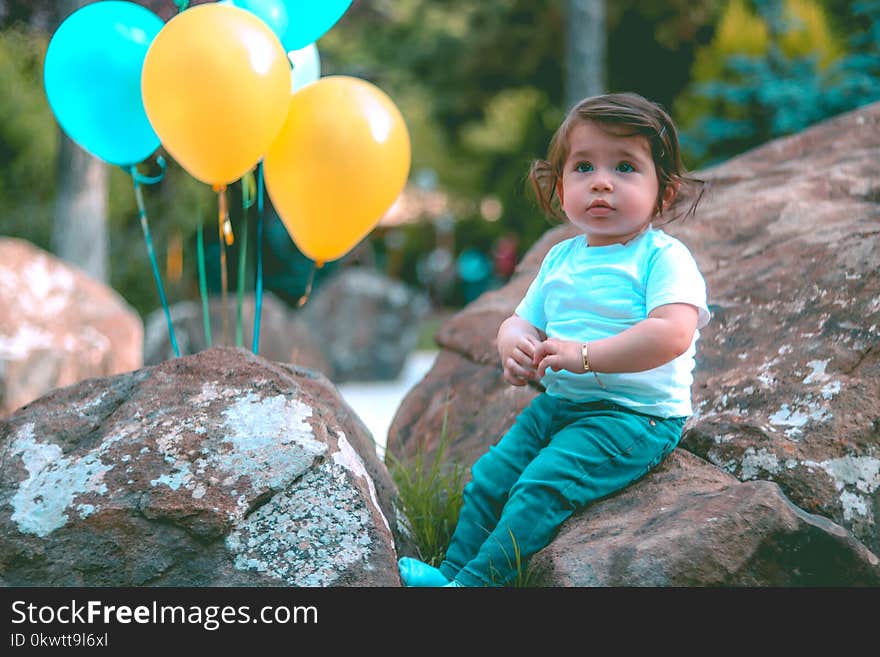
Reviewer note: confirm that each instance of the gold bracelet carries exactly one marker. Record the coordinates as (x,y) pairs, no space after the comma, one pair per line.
(585,354)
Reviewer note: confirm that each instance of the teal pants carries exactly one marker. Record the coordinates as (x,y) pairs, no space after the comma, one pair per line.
(557,457)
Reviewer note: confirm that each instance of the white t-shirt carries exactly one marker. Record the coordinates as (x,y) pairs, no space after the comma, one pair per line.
(586,293)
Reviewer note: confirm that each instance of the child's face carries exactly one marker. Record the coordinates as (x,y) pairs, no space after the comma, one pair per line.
(609,185)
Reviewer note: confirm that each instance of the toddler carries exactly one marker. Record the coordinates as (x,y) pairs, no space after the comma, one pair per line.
(609,326)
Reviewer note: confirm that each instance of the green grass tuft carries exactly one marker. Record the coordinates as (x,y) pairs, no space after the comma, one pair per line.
(525,574)
(430,498)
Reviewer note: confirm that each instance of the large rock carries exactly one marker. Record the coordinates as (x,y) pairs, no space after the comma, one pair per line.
(788,373)
(789,376)
(368,324)
(691,524)
(58,326)
(219,469)
(283,336)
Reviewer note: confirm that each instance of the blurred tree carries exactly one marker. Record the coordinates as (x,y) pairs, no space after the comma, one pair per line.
(30,141)
(28,138)
(856,76)
(585,49)
(36,14)
(651,46)
(482,85)
(79,224)
(774,67)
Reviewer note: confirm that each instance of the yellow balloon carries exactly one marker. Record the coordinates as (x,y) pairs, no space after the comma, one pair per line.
(339,162)
(216,87)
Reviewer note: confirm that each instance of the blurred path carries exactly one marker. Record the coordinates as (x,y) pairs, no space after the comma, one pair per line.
(376,402)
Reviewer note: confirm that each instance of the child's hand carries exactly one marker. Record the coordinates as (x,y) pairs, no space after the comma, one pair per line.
(558,355)
(518,363)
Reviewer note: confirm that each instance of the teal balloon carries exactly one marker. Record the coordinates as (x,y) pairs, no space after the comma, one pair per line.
(309,21)
(296,23)
(92,78)
(272,12)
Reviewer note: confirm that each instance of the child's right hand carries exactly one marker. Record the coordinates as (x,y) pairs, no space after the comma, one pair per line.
(517,361)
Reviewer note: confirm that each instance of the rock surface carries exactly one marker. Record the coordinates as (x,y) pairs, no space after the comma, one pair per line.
(58,326)
(788,372)
(219,469)
(788,386)
(691,524)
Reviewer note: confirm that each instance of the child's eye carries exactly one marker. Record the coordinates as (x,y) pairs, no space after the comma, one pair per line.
(625,167)
(583,167)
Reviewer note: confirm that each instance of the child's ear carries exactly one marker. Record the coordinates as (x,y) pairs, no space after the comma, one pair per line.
(669,194)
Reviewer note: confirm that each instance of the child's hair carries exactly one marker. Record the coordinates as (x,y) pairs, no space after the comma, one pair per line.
(625,115)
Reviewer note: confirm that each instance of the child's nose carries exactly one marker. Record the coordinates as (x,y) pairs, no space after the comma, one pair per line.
(601,183)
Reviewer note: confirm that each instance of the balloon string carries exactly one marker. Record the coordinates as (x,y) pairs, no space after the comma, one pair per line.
(149,180)
(225,232)
(203,287)
(248,190)
(142,216)
(308,292)
(259,286)
(242,259)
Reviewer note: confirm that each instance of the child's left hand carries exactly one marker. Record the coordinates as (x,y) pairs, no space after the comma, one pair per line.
(559,355)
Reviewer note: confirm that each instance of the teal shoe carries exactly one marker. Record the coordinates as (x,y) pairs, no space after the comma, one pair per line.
(417,573)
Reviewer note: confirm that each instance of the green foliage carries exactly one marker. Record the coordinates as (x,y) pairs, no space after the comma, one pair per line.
(430,498)
(480,84)
(28,139)
(856,76)
(772,72)
(29,142)
(175,207)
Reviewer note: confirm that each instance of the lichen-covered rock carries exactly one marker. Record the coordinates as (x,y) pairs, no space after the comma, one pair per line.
(691,524)
(58,326)
(787,385)
(283,336)
(218,469)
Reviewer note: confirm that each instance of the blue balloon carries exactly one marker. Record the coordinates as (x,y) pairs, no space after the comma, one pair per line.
(296,23)
(92,77)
